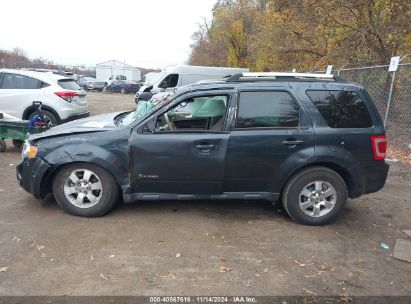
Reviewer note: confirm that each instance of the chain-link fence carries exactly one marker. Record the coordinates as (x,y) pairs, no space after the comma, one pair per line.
(377,80)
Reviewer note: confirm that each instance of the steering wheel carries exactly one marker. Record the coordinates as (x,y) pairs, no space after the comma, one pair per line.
(169,122)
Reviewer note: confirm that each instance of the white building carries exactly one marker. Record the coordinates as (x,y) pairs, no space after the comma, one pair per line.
(112,70)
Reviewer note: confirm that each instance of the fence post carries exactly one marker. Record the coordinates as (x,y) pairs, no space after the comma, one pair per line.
(389,100)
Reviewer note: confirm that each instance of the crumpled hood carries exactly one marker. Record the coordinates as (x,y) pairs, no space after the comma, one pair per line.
(97,123)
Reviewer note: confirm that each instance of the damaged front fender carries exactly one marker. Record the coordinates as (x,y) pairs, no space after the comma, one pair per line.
(108,150)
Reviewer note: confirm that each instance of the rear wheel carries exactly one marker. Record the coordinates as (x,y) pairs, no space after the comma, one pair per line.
(50,118)
(314,196)
(85,190)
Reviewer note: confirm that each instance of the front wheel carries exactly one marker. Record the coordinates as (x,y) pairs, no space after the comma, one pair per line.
(85,190)
(314,196)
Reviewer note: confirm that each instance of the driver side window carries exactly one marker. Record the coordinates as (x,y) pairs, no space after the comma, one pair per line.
(195,114)
(170,81)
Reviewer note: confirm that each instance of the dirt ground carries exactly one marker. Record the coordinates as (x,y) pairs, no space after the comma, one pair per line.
(199,248)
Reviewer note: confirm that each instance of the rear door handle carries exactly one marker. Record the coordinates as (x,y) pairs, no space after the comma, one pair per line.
(292,142)
(205,147)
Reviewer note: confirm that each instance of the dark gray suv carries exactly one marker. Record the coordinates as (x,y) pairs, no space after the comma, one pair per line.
(307,140)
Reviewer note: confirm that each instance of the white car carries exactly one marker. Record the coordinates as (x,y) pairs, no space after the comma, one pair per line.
(62,98)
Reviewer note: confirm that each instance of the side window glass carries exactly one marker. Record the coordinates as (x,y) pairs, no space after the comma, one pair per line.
(267,110)
(195,114)
(341,109)
(15,81)
(173,80)
(170,81)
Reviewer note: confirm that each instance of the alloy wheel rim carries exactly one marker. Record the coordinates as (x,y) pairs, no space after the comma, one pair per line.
(317,198)
(83,188)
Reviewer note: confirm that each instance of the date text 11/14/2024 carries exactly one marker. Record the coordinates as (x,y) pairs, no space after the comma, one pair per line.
(203,299)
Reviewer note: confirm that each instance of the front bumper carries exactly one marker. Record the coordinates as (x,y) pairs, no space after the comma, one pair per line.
(368,177)
(31,176)
(75,117)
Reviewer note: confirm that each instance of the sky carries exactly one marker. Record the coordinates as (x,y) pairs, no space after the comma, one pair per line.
(144,33)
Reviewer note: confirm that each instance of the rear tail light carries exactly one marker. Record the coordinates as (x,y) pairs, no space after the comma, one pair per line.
(67,95)
(379,146)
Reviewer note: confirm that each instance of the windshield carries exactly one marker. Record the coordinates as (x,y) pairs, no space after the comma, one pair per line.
(154,78)
(146,107)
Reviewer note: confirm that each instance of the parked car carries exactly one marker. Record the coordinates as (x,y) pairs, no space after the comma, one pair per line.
(91,84)
(62,99)
(309,141)
(123,86)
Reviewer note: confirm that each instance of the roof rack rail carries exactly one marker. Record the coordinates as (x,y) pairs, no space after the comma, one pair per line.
(267,76)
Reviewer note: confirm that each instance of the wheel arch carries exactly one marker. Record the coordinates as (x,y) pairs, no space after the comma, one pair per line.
(30,110)
(47,185)
(340,170)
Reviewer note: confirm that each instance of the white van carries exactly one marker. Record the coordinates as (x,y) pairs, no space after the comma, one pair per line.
(180,75)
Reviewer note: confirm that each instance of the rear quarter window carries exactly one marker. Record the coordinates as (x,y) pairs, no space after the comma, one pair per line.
(341,109)
(69,84)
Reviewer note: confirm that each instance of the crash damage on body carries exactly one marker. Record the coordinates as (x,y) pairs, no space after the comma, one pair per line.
(82,141)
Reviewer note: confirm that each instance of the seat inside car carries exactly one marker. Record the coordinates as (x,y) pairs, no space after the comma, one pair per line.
(214,110)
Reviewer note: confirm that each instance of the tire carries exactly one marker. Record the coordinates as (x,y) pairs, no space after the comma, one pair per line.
(326,189)
(3,145)
(100,202)
(18,143)
(52,119)
(123,91)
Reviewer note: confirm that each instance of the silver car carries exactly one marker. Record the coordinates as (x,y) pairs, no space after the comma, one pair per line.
(62,98)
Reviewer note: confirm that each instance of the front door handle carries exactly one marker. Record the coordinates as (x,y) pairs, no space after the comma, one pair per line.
(292,142)
(205,147)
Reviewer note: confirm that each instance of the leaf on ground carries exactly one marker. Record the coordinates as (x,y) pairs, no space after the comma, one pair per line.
(103,277)
(178,254)
(309,291)
(92,257)
(3,269)
(303,264)
(172,275)
(266,270)
(224,269)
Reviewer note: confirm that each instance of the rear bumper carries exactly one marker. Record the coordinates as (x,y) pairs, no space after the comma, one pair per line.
(75,117)
(368,177)
(31,175)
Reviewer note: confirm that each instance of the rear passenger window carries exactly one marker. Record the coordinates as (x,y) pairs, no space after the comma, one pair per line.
(267,110)
(341,109)
(16,81)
